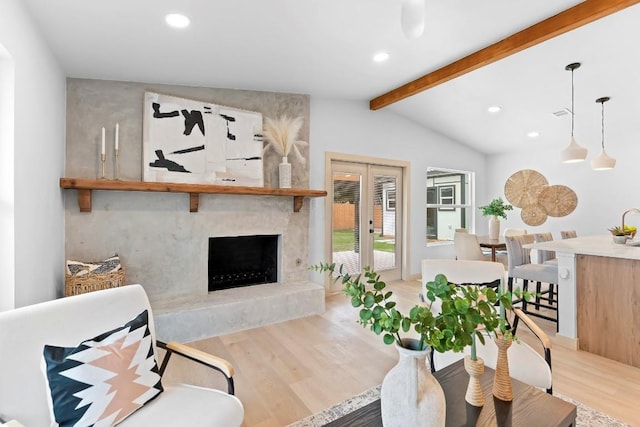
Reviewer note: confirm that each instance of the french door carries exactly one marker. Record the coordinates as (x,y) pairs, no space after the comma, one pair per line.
(366,218)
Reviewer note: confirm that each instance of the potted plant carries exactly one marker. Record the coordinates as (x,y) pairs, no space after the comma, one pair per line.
(497,208)
(463,309)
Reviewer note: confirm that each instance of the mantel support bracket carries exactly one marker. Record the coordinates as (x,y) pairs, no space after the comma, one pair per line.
(84,200)
(194,202)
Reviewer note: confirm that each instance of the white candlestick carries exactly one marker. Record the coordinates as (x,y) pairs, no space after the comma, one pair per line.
(102,152)
(117,131)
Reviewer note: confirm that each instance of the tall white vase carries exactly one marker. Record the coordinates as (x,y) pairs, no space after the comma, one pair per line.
(494,228)
(410,395)
(284,173)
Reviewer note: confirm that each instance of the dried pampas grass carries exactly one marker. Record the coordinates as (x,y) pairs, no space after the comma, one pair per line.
(281,135)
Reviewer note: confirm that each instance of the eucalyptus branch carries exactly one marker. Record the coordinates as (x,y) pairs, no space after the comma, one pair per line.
(463,310)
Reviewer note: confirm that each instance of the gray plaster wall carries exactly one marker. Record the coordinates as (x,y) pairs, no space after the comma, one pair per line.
(163,246)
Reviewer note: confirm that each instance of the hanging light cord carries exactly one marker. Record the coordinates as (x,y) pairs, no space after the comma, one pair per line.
(573,113)
(603,125)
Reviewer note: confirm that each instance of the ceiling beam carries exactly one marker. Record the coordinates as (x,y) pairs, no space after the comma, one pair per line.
(565,21)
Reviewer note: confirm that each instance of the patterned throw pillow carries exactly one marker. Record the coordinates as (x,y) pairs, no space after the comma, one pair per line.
(104,379)
(81,268)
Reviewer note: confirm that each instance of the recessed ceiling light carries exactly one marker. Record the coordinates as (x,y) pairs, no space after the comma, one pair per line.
(533,134)
(177,20)
(380,56)
(494,109)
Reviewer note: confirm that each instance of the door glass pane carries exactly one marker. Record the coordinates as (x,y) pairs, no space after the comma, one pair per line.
(384,222)
(346,221)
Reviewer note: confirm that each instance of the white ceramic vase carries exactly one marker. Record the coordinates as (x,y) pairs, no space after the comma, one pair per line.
(284,173)
(410,395)
(494,228)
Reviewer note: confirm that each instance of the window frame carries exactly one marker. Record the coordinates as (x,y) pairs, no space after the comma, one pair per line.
(467,209)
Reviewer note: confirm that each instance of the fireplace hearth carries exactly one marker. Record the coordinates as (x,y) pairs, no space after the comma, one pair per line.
(242,261)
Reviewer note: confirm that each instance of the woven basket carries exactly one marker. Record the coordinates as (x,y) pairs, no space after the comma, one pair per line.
(75,285)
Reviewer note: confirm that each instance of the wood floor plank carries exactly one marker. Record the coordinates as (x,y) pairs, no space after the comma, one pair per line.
(290,370)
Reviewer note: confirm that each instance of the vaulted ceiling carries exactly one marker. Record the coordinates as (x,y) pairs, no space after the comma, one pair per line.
(324,48)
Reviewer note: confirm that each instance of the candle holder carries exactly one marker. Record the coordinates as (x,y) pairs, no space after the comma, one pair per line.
(102,160)
(117,166)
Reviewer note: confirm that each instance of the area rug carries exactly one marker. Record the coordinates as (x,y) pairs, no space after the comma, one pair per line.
(586,416)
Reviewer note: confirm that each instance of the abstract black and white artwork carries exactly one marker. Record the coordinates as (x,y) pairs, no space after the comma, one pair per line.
(187,141)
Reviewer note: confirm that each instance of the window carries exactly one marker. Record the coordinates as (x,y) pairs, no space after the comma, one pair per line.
(447,196)
(449,203)
(391,200)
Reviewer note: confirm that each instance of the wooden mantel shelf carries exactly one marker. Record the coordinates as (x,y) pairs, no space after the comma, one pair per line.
(86,186)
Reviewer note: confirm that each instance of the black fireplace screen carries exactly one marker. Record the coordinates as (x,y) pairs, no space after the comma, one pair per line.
(242,261)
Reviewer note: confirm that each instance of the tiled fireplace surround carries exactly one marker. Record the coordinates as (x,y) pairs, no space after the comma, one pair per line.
(162,245)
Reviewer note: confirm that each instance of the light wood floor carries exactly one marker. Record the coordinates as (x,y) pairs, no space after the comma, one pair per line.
(287,371)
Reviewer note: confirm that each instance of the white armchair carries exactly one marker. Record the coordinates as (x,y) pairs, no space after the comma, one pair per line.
(525,363)
(69,321)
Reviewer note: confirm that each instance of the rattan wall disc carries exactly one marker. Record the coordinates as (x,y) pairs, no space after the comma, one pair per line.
(558,200)
(523,187)
(534,214)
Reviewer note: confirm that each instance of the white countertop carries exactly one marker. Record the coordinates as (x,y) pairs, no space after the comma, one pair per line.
(601,245)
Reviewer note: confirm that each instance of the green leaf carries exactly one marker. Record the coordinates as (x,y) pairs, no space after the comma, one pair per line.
(366,314)
(462,305)
(369,300)
(388,339)
(406,324)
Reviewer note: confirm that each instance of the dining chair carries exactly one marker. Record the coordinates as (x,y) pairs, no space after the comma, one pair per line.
(568,234)
(525,363)
(520,267)
(463,272)
(467,247)
(514,231)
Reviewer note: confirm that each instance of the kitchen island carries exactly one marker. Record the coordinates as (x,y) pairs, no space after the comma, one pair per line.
(598,296)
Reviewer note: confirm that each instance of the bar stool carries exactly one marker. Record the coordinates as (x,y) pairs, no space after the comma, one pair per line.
(568,234)
(546,257)
(520,267)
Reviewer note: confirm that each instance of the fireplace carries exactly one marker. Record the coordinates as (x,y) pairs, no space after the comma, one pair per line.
(242,261)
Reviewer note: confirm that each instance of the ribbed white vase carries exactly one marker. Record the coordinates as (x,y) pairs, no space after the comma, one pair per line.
(494,228)
(410,395)
(284,173)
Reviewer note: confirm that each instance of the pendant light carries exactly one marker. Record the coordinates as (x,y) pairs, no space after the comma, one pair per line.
(603,161)
(412,18)
(573,152)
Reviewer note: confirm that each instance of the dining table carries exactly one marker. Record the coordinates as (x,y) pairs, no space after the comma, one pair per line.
(493,244)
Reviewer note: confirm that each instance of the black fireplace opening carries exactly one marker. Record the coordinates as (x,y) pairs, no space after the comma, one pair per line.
(242,261)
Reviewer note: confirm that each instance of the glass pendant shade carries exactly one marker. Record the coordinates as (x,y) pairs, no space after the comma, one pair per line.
(603,162)
(574,152)
(412,18)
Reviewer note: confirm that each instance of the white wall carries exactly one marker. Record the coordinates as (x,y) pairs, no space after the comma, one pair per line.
(350,127)
(38,158)
(7,260)
(602,195)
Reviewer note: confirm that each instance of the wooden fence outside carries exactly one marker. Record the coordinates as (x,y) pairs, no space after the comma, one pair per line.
(344,216)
